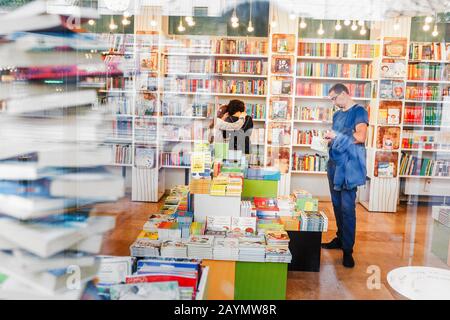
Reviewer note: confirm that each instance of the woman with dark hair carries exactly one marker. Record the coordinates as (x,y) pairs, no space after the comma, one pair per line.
(220,125)
(239,140)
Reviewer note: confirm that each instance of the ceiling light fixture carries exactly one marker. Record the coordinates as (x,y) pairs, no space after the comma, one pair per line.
(426,27)
(360,23)
(354,26)
(363,31)
(112,24)
(234,19)
(396,24)
(181,28)
(347,22)
(320,31)
(435,31)
(91,22)
(153,23)
(250,26)
(125,21)
(273,22)
(338,26)
(428,19)
(303,24)
(292,16)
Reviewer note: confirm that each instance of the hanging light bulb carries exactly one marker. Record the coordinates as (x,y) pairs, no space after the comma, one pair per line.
(303,23)
(292,16)
(338,26)
(354,26)
(273,23)
(360,23)
(428,19)
(125,21)
(396,24)
(250,27)
(363,31)
(112,24)
(347,22)
(153,23)
(91,22)
(320,31)
(181,28)
(435,31)
(188,18)
(235,24)
(426,27)
(234,18)
(191,22)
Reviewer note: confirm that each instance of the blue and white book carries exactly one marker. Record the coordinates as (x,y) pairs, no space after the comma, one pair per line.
(45,239)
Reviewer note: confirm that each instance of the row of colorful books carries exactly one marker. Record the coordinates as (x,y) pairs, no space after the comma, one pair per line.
(309,162)
(423,115)
(222,46)
(184,131)
(181,158)
(256,110)
(429,51)
(429,92)
(305,136)
(341,70)
(121,153)
(257,87)
(178,108)
(418,139)
(338,50)
(411,165)
(362,90)
(310,113)
(425,71)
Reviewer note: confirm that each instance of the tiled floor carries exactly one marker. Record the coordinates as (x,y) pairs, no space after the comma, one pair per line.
(384,241)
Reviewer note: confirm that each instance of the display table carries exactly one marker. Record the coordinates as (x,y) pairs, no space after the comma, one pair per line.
(206,205)
(239,280)
(305,249)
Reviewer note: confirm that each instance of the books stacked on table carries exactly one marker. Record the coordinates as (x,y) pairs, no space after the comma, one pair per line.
(246,208)
(169,230)
(167,290)
(234,186)
(252,248)
(200,246)
(216,234)
(266,207)
(200,186)
(219,186)
(218,223)
(266,173)
(300,193)
(277,249)
(113,271)
(185,273)
(313,221)
(286,206)
(269,224)
(226,249)
(174,248)
(243,225)
(145,248)
(197,228)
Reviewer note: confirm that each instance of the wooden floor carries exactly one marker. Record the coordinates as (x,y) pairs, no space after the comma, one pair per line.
(383,240)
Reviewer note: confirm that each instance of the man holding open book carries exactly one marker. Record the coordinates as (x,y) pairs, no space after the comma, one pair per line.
(346,167)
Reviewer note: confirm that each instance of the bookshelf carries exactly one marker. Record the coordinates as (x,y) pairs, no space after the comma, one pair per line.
(320,64)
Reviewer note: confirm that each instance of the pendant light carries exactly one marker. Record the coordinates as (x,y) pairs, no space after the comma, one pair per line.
(354,26)
(347,22)
(303,24)
(428,19)
(273,22)
(234,18)
(435,30)
(112,24)
(250,26)
(91,22)
(320,31)
(426,27)
(396,24)
(338,26)
(181,28)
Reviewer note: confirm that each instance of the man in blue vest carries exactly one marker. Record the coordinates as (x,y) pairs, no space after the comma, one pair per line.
(346,167)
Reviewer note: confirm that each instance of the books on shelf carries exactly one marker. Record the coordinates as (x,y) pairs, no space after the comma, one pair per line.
(427,93)
(393,68)
(320,89)
(181,158)
(121,153)
(333,70)
(258,136)
(280,109)
(282,64)
(279,134)
(337,50)
(309,162)
(306,136)
(437,51)
(427,71)
(252,87)
(385,164)
(316,221)
(256,110)
(388,138)
(426,140)
(221,46)
(394,47)
(412,165)
(311,113)
(423,115)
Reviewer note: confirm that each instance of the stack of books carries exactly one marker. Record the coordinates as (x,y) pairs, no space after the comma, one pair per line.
(313,221)
(52,168)
(252,248)
(200,186)
(260,173)
(185,273)
(444,216)
(277,249)
(274,223)
(218,223)
(266,207)
(243,225)
(246,208)
(145,248)
(286,206)
(174,248)
(197,228)
(200,247)
(169,230)
(226,249)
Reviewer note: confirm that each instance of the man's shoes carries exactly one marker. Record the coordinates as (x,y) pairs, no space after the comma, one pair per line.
(334,244)
(348,261)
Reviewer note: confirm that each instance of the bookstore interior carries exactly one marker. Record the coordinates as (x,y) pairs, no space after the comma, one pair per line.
(180,150)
